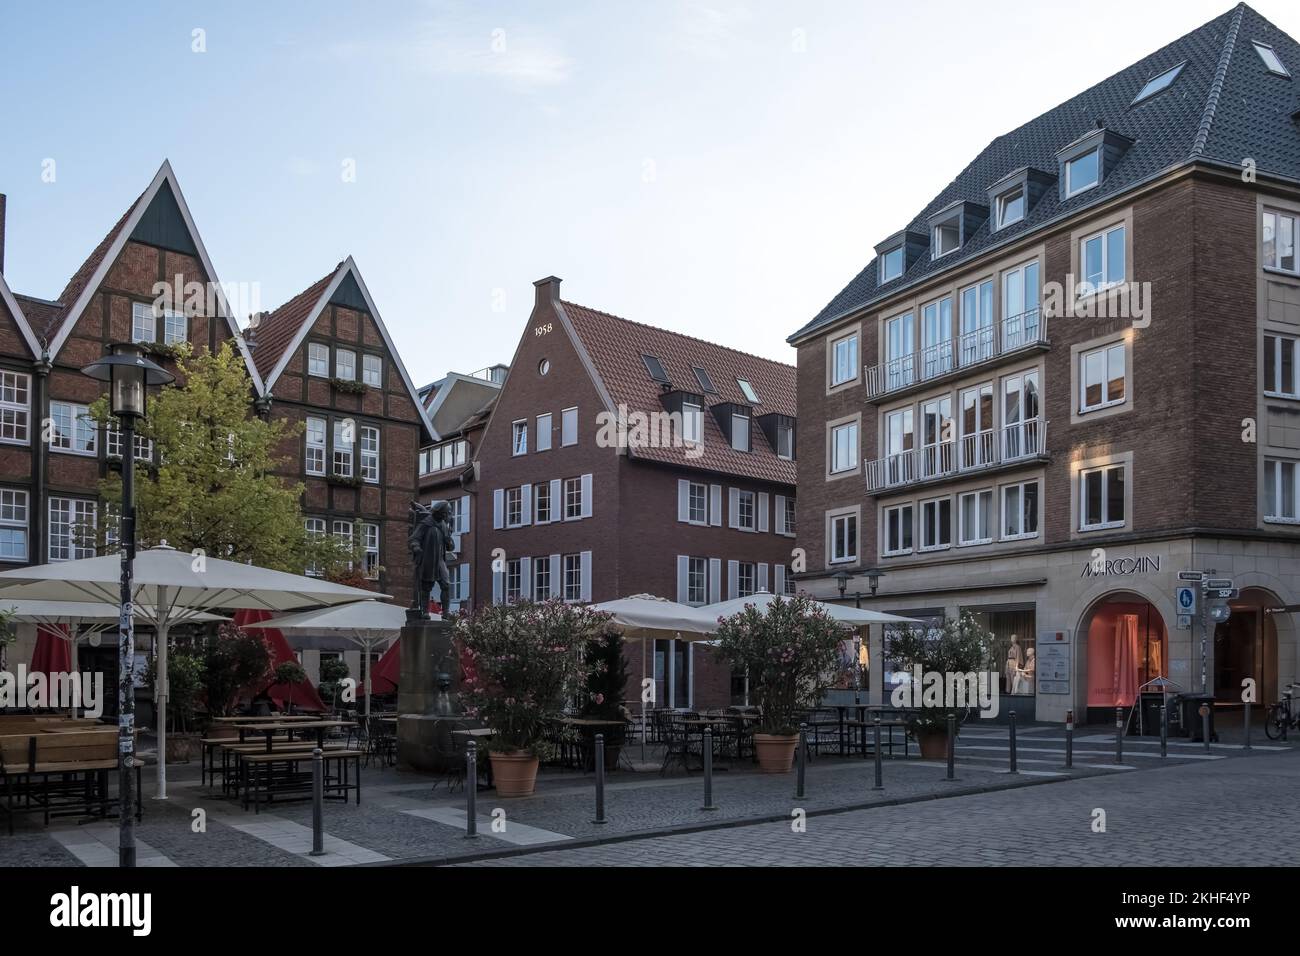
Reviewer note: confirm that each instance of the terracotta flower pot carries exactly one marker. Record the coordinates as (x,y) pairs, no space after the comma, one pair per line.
(775,752)
(933,743)
(514,774)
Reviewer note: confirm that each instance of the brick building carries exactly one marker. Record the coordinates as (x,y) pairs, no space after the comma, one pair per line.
(1072,376)
(696,507)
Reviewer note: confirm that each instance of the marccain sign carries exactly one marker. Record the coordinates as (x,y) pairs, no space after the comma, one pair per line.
(1144,564)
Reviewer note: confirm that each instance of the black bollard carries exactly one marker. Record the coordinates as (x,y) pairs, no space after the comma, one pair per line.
(952,746)
(1164,730)
(1012,717)
(1205,726)
(880,766)
(1069,739)
(317,803)
(1245,707)
(803,758)
(471,790)
(600,779)
(1119,734)
(708,770)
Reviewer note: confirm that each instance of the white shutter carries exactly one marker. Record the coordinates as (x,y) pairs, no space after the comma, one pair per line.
(526,579)
(557,575)
(498,587)
(778,579)
(557,500)
(462,519)
(715,505)
(762,510)
(762,577)
(586,496)
(526,504)
(544,432)
(715,580)
(455,543)
(586,575)
(733,579)
(498,508)
(733,507)
(683,579)
(683,500)
(780,514)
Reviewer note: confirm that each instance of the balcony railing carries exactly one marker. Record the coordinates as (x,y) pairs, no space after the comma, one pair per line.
(967,350)
(978,451)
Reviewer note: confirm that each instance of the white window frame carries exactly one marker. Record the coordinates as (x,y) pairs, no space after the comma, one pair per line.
(750,497)
(740,424)
(1003,201)
(372,370)
(1105,351)
(513,585)
(1085,286)
(370,539)
(951,224)
(702,489)
(1104,524)
(514,509)
(889,273)
(1021,487)
(573,499)
(746,578)
(568,426)
(317,441)
(144,323)
(369,454)
(1278,215)
(542,494)
(345,370)
(113,444)
(847,518)
(976,496)
(692,423)
(844,364)
(15,525)
(906,515)
(81,435)
(175,328)
(15,415)
(1281,344)
(342,459)
(839,467)
(919,531)
(318,359)
(542,577)
(519,438)
(1274,513)
(571,585)
(697,569)
(747,390)
(74,515)
(1070,188)
(1272,62)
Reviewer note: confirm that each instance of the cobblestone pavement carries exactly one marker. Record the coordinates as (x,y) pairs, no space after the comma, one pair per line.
(402,819)
(1215,813)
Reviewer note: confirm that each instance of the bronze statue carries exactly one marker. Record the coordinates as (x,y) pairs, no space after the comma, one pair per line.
(430,542)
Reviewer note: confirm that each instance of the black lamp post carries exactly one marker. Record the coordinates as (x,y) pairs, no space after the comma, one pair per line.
(128,373)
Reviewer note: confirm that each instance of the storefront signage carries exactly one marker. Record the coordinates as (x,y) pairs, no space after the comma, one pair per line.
(1054,662)
(1143,564)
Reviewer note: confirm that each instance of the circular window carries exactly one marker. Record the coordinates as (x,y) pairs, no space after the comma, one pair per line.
(543,366)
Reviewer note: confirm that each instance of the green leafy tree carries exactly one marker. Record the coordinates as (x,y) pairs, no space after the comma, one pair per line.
(213,484)
(234,663)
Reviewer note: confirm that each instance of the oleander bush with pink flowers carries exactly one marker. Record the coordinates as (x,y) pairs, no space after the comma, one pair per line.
(791,654)
(525,663)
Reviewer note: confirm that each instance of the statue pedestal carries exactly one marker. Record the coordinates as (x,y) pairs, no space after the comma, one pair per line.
(424,711)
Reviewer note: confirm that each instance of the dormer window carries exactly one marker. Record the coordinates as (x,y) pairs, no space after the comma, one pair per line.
(740,432)
(1010,207)
(1157,83)
(946,237)
(1271,59)
(1083,172)
(891,264)
(952,225)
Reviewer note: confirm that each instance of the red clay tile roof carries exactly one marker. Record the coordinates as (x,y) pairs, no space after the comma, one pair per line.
(40,314)
(276,331)
(616,345)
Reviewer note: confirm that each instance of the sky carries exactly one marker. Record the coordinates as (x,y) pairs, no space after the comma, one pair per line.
(717,168)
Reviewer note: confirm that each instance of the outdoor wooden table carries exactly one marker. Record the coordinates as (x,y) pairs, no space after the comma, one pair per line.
(270,729)
(842,709)
(265,719)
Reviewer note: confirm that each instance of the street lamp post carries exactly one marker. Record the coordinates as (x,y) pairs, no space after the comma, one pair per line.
(128,373)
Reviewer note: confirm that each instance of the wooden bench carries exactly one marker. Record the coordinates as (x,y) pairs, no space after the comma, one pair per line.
(265,775)
(232,752)
(60,773)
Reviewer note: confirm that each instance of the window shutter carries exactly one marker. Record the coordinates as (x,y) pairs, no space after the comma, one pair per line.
(557,500)
(762,510)
(683,500)
(498,586)
(455,543)
(683,579)
(780,514)
(462,519)
(586,497)
(715,505)
(498,508)
(733,579)
(762,576)
(586,573)
(544,432)
(733,507)
(526,578)
(715,580)
(526,504)
(778,579)
(557,575)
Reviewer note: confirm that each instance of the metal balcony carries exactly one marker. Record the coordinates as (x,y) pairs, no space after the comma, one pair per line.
(968,455)
(951,358)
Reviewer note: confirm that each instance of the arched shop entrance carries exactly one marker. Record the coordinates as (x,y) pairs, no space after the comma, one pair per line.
(1126,645)
(1246,645)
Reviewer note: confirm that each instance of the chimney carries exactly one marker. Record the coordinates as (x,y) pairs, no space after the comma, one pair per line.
(2,232)
(548,291)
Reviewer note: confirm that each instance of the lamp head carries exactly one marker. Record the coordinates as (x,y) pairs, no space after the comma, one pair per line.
(128,373)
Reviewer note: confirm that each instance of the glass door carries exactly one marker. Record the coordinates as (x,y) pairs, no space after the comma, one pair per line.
(1020,311)
(936,338)
(900,346)
(936,437)
(977,323)
(1020,428)
(977,445)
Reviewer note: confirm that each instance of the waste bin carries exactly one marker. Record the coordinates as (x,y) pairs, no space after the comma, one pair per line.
(1189,706)
(1149,725)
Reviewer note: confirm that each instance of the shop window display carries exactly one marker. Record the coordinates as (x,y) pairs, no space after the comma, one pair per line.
(1126,648)
(1012,655)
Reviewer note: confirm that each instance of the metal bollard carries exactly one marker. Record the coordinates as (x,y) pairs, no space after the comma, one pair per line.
(880,767)
(1205,726)
(1119,734)
(1245,707)
(317,803)
(1012,717)
(803,758)
(952,746)
(600,779)
(1164,730)
(1069,739)
(471,790)
(708,770)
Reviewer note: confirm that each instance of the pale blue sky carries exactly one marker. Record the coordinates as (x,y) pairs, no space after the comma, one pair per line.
(718,168)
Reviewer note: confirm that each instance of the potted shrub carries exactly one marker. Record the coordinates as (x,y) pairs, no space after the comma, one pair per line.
(958,646)
(234,661)
(526,661)
(184,682)
(333,671)
(291,673)
(606,683)
(791,654)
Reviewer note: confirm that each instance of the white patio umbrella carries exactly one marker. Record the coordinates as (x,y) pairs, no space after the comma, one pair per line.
(645,617)
(171,587)
(362,624)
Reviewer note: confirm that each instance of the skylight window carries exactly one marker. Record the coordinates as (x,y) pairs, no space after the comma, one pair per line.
(706,383)
(655,368)
(1157,83)
(748,391)
(1271,59)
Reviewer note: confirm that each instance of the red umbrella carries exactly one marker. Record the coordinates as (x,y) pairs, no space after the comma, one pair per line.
(53,651)
(383,679)
(303,696)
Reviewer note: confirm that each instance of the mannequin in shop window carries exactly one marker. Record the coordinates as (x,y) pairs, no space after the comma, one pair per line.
(1024,683)
(1012,667)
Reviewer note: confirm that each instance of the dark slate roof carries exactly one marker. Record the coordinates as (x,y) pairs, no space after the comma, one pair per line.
(616,345)
(1225,106)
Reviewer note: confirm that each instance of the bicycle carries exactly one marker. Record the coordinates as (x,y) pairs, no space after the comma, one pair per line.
(1282,716)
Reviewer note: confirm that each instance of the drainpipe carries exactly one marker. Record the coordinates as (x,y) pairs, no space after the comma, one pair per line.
(40,456)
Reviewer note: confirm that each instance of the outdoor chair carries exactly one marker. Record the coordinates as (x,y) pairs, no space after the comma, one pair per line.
(677,745)
(450,754)
(381,743)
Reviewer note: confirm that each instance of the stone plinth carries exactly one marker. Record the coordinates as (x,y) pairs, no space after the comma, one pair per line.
(424,711)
